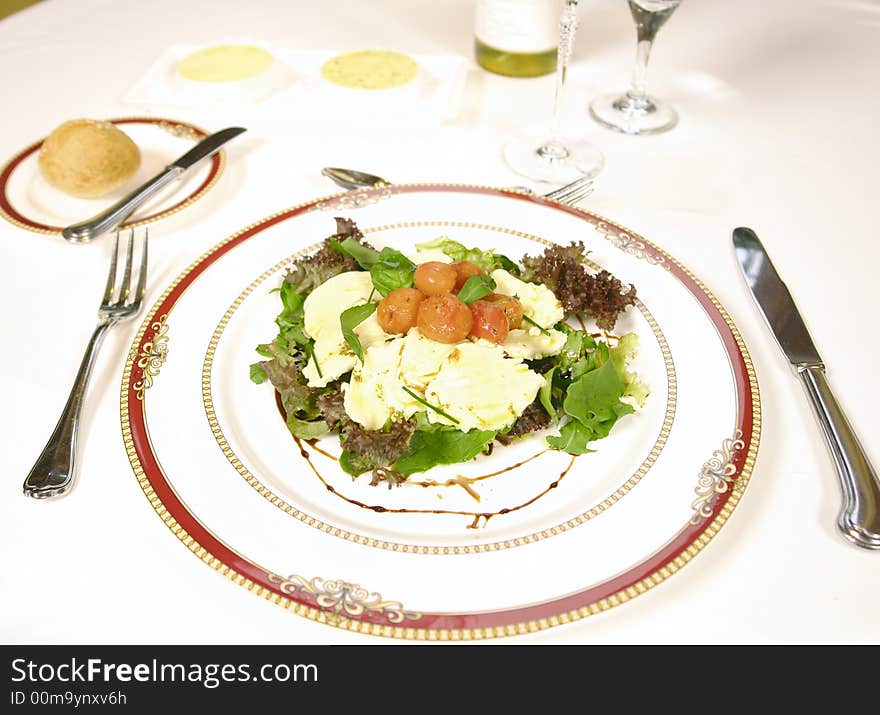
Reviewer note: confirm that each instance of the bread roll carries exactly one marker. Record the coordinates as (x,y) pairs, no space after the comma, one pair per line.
(88,158)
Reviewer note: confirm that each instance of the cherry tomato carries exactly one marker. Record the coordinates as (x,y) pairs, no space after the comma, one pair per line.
(444,318)
(463,271)
(510,305)
(490,321)
(434,278)
(397,311)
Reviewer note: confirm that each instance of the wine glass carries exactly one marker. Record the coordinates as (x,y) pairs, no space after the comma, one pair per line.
(547,156)
(635,112)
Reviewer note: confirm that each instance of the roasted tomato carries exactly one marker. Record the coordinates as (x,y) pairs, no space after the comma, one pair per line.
(397,311)
(444,318)
(463,271)
(434,278)
(510,305)
(489,321)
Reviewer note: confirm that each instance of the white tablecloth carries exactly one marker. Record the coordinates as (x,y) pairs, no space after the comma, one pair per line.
(778,131)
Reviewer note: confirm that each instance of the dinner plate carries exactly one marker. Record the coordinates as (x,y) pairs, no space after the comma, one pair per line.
(519,540)
(27,200)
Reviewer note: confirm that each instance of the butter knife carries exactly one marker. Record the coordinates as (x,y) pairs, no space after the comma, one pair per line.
(122,209)
(859,518)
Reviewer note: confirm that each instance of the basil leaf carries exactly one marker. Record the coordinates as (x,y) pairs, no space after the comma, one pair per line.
(350,319)
(476,287)
(392,270)
(508,265)
(258,374)
(573,438)
(449,446)
(364,255)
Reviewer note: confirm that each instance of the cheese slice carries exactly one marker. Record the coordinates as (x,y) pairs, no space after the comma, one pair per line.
(370,69)
(375,393)
(481,388)
(333,357)
(225,63)
(538,301)
(531,343)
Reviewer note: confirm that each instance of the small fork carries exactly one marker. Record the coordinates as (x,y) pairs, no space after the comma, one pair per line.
(350,179)
(53,473)
(572,193)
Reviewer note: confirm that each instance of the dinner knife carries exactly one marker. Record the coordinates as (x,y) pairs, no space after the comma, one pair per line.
(859,518)
(122,209)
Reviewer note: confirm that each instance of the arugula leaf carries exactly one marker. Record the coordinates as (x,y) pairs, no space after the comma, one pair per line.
(594,400)
(291,319)
(573,438)
(258,374)
(476,287)
(392,270)
(350,319)
(446,446)
(487,260)
(545,393)
(352,248)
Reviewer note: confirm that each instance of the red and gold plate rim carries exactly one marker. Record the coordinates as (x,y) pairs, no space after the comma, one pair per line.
(639,578)
(14,216)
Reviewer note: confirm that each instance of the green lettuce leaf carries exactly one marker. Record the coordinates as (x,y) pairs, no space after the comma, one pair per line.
(258,374)
(620,355)
(487,260)
(364,255)
(306,429)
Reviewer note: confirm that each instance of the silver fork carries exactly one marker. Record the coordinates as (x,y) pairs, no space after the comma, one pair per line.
(53,473)
(350,179)
(572,193)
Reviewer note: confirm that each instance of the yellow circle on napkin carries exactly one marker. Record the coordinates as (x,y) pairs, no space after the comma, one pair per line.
(225,63)
(370,69)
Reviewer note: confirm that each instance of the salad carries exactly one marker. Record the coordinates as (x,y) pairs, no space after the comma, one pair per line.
(416,361)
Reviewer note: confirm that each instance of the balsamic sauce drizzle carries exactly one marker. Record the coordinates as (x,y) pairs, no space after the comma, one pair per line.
(480,519)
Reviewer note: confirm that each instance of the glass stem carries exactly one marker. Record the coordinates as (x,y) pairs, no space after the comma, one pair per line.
(554,150)
(637,91)
(648,23)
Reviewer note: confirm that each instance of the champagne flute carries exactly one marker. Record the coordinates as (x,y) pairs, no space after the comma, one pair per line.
(635,112)
(547,156)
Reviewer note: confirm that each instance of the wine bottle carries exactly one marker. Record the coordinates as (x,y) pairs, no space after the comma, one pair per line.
(517,38)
